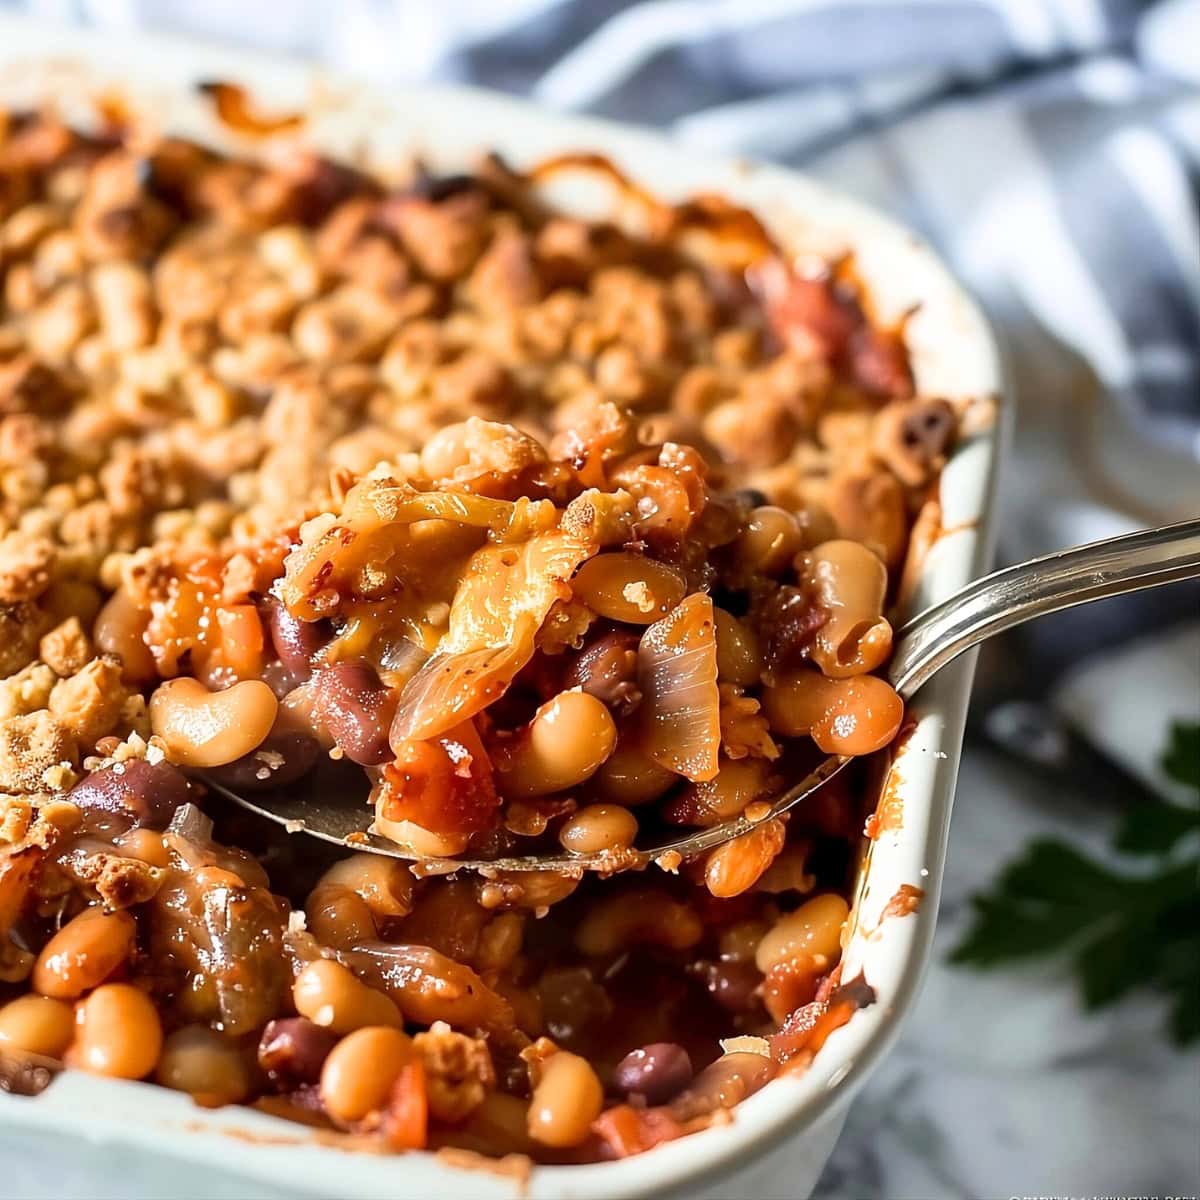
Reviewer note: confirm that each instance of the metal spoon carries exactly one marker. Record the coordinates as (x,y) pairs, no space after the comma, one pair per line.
(927,643)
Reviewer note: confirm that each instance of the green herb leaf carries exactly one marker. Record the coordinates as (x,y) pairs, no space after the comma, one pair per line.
(1155,828)
(1125,930)
(1182,758)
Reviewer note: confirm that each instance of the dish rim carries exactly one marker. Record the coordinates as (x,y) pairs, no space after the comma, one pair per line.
(894,952)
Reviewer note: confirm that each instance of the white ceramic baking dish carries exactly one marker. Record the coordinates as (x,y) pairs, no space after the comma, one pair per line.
(787,1130)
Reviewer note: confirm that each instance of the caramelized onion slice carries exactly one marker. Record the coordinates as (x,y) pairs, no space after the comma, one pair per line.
(677,674)
(501,603)
(373,534)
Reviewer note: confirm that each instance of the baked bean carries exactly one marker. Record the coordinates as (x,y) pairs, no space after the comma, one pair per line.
(37,1025)
(629,776)
(597,828)
(790,985)
(146,845)
(148,793)
(724,1083)
(422,842)
(567,740)
(83,953)
(868,505)
(355,895)
(357,709)
(118,1034)
(628,587)
(292,1051)
(280,759)
(738,783)
(198,1060)
(656,1072)
(208,729)
(525,889)
(849,583)
(120,628)
(737,866)
(814,930)
(500,1125)
(385,884)
(361,1069)
(338,917)
(790,871)
(911,438)
(843,716)
(296,642)
(565,1102)
(739,657)
(644,916)
(738,942)
(607,669)
(333,997)
(771,540)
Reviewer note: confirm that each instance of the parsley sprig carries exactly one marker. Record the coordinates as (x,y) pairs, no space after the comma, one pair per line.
(1124,928)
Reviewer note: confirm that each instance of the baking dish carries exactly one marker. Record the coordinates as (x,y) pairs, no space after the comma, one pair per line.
(952,356)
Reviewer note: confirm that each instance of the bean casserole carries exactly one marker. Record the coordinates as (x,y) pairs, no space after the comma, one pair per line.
(549,532)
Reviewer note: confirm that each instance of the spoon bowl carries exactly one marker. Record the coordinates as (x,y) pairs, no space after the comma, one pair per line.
(334,811)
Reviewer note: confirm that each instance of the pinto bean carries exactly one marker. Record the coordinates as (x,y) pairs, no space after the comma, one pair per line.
(118,1033)
(148,793)
(201,1061)
(567,1099)
(357,708)
(209,729)
(361,1070)
(83,953)
(567,740)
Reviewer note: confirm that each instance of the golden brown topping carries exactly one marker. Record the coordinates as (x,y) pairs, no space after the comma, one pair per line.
(32,747)
(458,1071)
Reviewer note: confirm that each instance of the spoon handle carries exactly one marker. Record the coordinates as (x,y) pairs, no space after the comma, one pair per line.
(1035,588)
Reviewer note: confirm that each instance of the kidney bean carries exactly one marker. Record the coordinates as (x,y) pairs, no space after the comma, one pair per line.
(607,669)
(292,1051)
(295,641)
(259,771)
(357,709)
(733,985)
(148,793)
(658,1072)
